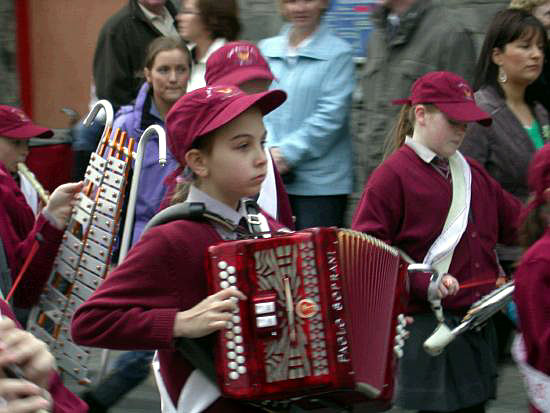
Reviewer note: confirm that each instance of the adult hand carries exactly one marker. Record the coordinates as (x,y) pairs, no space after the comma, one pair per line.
(449,286)
(210,315)
(21,396)
(25,351)
(61,203)
(280,161)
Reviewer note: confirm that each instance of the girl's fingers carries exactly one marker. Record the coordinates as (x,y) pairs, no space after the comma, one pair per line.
(11,389)
(32,404)
(229,292)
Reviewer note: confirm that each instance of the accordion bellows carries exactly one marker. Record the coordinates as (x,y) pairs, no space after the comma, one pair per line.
(320,316)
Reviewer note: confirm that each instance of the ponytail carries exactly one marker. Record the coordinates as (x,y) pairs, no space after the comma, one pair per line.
(403,127)
(204,143)
(181,191)
(534,225)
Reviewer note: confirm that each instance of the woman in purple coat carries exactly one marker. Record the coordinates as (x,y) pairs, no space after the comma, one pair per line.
(167,70)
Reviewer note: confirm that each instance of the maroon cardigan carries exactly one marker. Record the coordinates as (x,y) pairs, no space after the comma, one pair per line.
(405,203)
(64,400)
(532,296)
(19,230)
(532,280)
(136,306)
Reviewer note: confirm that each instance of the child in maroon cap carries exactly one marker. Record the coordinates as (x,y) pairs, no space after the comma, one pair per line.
(532,280)
(446,211)
(19,231)
(242,64)
(18,226)
(159,292)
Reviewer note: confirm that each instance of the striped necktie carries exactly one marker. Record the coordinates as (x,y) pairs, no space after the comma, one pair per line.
(441,165)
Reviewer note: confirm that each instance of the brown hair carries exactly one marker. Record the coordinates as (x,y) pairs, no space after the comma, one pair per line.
(163,44)
(220,18)
(534,225)
(507,26)
(205,144)
(403,127)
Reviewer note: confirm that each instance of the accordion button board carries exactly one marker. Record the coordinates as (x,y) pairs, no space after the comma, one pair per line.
(315,298)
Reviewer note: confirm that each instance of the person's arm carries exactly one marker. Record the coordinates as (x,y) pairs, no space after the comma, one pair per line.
(112,77)
(41,388)
(380,213)
(47,232)
(143,305)
(316,134)
(536,305)
(136,305)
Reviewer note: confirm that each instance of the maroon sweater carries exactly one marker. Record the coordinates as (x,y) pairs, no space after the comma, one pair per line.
(18,230)
(405,203)
(532,296)
(136,306)
(64,400)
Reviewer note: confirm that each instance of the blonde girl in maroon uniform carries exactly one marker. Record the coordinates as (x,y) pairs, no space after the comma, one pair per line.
(159,293)
(444,210)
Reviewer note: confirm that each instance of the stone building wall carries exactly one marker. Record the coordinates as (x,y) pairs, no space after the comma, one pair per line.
(9,86)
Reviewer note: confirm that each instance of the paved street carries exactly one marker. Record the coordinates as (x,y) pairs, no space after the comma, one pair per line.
(511,397)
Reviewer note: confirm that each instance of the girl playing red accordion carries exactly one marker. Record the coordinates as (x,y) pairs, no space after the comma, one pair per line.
(159,292)
(532,291)
(446,211)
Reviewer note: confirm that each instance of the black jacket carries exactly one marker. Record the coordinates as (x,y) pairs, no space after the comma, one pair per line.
(120,53)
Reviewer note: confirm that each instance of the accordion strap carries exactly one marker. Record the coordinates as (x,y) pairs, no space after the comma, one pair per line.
(5,274)
(196,211)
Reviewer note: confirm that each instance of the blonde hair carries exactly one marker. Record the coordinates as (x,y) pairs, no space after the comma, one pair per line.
(204,143)
(527,5)
(403,127)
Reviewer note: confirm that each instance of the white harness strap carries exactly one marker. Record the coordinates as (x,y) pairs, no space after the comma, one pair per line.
(196,395)
(441,252)
(268,192)
(537,383)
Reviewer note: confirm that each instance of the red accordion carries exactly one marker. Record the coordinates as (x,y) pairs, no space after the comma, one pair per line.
(320,317)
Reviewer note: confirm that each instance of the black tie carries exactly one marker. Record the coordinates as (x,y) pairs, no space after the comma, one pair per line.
(441,165)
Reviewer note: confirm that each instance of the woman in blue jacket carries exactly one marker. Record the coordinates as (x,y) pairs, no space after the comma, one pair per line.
(309,134)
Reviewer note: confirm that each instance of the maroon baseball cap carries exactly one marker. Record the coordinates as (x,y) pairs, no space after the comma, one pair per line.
(236,63)
(206,109)
(451,94)
(15,124)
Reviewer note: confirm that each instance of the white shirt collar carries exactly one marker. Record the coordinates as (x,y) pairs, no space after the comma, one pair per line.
(219,208)
(423,152)
(215,206)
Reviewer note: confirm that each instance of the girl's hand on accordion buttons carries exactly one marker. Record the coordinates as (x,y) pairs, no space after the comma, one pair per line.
(210,315)
(449,286)
(27,352)
(61,203)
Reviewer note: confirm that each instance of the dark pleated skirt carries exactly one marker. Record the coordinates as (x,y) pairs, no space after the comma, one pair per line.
(463,375)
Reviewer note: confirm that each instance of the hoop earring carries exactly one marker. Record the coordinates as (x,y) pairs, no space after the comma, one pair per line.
(502,76)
